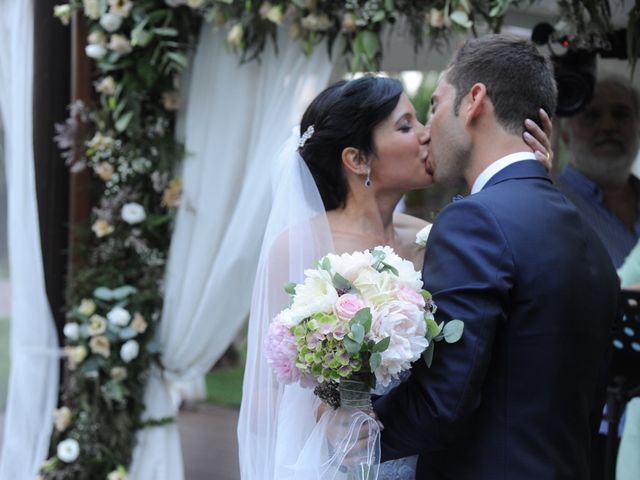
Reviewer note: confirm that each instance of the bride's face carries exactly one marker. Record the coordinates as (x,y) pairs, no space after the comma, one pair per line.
(401,151)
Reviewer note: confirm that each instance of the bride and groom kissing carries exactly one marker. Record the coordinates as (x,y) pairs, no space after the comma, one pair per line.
(514,260)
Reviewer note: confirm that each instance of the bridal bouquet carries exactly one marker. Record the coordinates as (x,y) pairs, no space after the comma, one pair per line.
(361,316)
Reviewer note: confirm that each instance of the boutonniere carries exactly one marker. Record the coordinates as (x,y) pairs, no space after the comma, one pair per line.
(422,235)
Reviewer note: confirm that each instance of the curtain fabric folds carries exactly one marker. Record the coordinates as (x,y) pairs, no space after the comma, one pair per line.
(33,382)
(235,118)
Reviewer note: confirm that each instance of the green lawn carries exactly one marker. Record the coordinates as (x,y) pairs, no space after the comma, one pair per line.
(224,384)
(4,361)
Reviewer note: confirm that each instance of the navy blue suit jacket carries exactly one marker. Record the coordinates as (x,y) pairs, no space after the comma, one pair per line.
(538,294)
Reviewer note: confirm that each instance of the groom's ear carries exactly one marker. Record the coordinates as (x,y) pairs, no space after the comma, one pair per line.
(476,105)
(353,161)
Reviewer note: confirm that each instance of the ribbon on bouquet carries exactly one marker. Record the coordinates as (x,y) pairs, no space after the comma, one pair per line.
(344,445)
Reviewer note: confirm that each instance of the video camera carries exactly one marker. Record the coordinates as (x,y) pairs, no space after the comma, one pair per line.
(575,69)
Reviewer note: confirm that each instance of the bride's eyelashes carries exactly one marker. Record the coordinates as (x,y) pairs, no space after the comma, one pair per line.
(405,128)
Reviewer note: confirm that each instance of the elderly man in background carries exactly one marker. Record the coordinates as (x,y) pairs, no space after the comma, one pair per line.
(603,141)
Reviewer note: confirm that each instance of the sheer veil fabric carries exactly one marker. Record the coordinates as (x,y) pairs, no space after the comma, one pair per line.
(278,434)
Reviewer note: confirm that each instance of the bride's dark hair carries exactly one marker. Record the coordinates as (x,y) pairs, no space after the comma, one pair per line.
(344,115)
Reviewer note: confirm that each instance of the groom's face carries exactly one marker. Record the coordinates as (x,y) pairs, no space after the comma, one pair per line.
(450,145)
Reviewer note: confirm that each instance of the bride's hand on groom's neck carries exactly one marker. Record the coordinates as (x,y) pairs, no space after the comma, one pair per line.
(539,139)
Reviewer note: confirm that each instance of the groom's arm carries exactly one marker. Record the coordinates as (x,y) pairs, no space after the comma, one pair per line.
(469,270)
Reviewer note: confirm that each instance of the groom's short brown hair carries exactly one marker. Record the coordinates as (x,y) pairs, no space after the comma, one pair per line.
(518,78)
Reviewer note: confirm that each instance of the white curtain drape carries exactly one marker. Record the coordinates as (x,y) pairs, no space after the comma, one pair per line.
(236,117)
(33,382)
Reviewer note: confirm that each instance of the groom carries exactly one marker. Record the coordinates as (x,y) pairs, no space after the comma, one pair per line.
(531,281)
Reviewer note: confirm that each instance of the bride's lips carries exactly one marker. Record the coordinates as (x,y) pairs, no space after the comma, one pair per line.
(428,166)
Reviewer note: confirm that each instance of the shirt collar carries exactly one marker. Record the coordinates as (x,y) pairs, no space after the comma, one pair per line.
(498,165)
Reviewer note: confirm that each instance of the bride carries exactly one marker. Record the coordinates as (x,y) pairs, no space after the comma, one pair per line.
(359,149)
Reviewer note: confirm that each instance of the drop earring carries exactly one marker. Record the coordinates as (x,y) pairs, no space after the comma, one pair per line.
(367,182)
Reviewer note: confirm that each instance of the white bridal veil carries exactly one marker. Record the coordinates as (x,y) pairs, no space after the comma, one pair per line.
(278,435)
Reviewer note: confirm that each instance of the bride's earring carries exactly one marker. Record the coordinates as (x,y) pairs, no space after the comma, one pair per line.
(367,182)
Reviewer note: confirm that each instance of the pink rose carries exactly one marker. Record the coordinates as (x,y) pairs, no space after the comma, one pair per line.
(407,294)
(347,306)
(281,351)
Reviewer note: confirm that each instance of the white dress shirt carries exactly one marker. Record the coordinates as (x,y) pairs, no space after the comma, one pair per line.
(498,165)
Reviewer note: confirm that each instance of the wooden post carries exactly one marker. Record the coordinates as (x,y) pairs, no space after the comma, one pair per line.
(79,185)
(50,98)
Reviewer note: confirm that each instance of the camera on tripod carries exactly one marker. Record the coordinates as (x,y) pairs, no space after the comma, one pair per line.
(575,69)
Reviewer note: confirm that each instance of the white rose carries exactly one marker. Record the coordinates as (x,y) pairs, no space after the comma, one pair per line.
(404,323)
(95,50)
(63,12)
(120,7)
(97,37)
(106,86)
(139,324)
(423,235)
(68,450)
(92,9)
(376,287)
(435,18)
(119,316)
(62,418)
(133,213)
(119,44)
(97,325)
(100,345)
(235,35)
(316,294)
(75,355)
(102,228)
(110,22)
(87,307)
(129,351)
(71,331)
(104,170)
(118,374)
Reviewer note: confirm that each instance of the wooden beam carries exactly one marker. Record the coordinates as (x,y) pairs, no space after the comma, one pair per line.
(50,98)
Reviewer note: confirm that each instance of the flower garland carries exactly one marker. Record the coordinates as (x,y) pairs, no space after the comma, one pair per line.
(126,137)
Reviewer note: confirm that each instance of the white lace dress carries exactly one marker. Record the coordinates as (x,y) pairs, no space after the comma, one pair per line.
(402,468)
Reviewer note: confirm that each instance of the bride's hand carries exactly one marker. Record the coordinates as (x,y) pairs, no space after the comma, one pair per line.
(539,139)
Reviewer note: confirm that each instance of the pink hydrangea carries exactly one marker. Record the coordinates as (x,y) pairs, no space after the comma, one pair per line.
(281,351)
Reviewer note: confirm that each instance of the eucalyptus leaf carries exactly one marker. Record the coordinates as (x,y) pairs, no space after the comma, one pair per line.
(127,333)
(370,44)
(379,16)
(453,331)
(351,346)
(123,121)
(166,32)
(382,345)
(461,18)
(361,317)
(123,292)
(427,355)
(103,293)
(290,288)
(178,58)
(357,334)
(375,361)
(341,283)
(433,328)
(325,264)
(388,268)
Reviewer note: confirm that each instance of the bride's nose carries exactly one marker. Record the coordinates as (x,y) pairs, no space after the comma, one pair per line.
(425,134)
